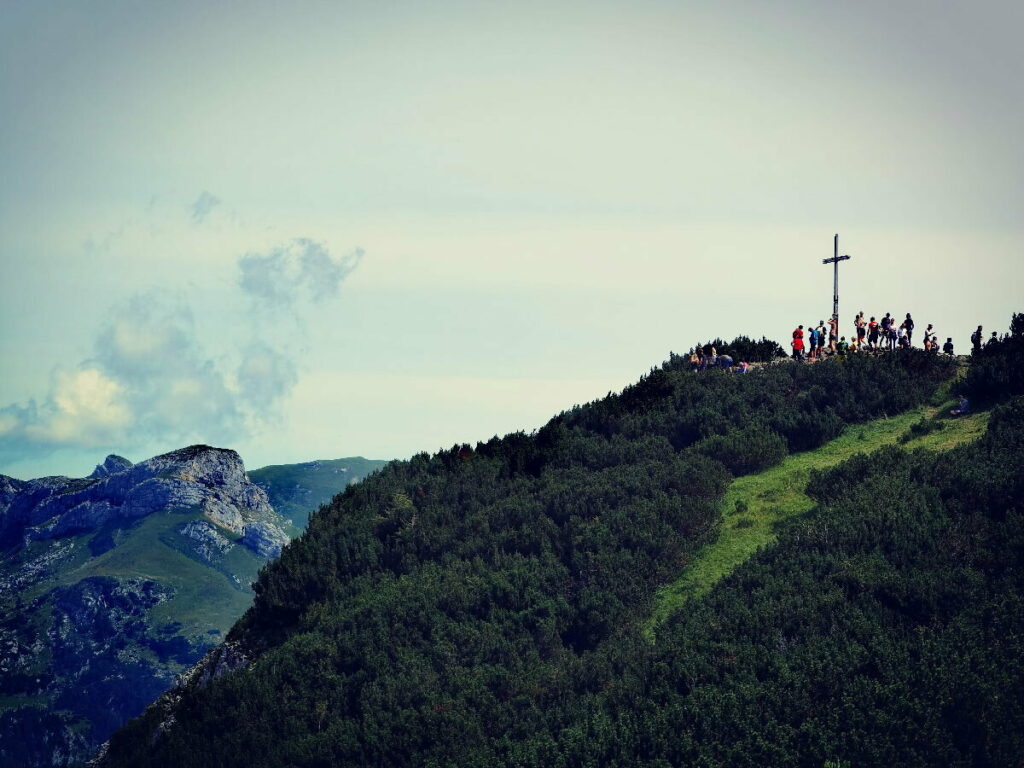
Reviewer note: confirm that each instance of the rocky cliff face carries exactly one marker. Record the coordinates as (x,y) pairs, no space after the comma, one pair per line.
(210,480)
(114,584)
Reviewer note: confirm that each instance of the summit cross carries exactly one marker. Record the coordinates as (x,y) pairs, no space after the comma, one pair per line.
(836,258)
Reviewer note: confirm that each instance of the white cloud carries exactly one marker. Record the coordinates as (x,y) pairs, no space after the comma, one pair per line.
(84,407)
(154,378)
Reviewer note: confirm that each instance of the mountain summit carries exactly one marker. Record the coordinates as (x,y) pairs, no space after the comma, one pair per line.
(113,584)
(209,480)
(494,604)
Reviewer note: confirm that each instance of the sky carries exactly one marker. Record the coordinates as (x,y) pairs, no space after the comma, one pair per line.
(315,230)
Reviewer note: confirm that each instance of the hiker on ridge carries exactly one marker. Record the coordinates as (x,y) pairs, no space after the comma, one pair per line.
(901,341)
(976,338)
(798,343)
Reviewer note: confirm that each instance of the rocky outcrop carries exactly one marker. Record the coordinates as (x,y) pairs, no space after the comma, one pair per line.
(9,488)
(98,648)
(114,585)
(111,466)
(207,542)
(208,480)
(226,657)
(263,539)
(99,662)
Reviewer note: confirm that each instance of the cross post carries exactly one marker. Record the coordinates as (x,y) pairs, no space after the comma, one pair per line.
(834,261)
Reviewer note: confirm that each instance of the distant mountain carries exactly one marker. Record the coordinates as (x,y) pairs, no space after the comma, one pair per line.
(491,604)
(114,584)
(296,490)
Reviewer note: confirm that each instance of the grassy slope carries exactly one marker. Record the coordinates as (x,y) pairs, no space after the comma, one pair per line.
(205,599)
(758,502)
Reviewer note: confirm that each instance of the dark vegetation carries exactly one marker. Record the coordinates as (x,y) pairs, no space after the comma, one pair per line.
(763,350)
(482,606)
(997,372)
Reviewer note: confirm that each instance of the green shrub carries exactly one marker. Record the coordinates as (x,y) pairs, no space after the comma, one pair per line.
(921,428)
(746,450)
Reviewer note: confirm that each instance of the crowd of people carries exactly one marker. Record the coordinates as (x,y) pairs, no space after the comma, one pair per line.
(823,340)
(871,335)
(706,356)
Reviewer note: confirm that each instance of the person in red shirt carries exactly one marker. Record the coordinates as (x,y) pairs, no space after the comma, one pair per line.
(873,334)
(798,343)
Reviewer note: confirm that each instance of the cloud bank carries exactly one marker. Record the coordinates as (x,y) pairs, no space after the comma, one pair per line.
(152,379)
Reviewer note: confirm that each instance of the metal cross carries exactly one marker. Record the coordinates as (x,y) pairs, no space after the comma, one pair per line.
(835,281)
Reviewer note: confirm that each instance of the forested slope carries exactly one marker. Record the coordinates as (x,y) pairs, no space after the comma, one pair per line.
(483,605)
(755,505)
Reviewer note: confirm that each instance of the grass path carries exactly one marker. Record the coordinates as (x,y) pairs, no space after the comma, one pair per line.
(753,504)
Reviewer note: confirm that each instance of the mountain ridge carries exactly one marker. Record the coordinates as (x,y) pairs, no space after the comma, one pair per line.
(114,584)
(482,605)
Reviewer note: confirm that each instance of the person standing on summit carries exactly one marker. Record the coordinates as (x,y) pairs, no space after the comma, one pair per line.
(798,343)
(909,323)
(873,334)
(822,337)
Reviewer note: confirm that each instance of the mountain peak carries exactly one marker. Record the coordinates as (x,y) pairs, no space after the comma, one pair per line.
(111,465)
(210,480)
